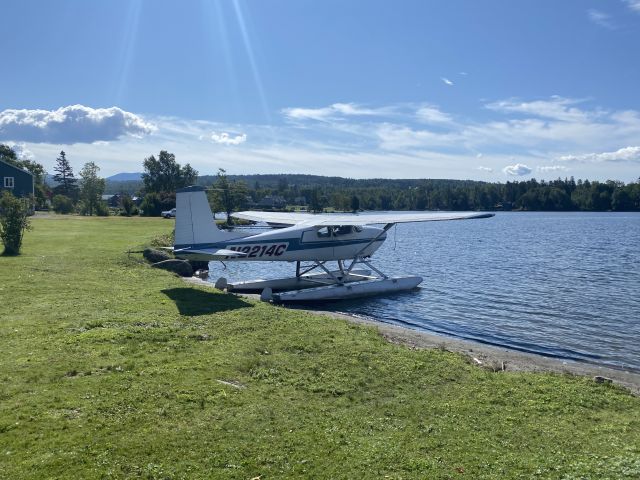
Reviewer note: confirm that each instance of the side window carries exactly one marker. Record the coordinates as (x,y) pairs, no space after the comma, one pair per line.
(8,182)
(324,232)
(344,230)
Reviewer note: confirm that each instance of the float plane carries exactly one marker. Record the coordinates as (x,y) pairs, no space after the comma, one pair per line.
(309,240)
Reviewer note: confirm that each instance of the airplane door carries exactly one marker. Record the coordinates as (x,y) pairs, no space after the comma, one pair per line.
(318,237)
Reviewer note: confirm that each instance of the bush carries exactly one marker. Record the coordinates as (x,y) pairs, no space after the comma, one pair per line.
(154,256)
(102,209)
(134,211)
(128,207)
(14,221)
(62,204)
(165,240)
(151,205)
(82,208)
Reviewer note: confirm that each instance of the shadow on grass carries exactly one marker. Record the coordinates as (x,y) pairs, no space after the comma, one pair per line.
(192,302)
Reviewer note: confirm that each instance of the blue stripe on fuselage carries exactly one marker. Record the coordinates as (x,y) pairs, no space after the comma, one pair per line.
(294,243)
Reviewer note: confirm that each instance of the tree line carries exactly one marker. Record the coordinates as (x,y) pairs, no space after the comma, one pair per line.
(317,193)
(163,175)
(532,195)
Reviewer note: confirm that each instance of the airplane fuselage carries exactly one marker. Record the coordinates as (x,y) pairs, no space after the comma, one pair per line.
(294,244)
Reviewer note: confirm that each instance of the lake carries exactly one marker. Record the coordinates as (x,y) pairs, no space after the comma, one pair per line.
(565,285)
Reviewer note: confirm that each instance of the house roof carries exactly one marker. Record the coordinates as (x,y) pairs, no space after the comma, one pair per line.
(17,168)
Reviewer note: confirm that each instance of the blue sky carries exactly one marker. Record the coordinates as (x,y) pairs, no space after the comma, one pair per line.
(485,90)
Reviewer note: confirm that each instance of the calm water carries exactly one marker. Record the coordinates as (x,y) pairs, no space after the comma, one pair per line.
(559,284)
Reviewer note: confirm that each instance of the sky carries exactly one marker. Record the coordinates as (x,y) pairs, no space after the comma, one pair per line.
(494,90)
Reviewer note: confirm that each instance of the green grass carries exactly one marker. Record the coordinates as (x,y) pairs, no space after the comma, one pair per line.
(111,369)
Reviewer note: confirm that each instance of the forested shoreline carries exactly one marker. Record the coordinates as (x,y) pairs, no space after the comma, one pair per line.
(343,194)
(155,191)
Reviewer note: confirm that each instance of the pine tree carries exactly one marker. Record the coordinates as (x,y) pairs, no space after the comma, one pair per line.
(67,183)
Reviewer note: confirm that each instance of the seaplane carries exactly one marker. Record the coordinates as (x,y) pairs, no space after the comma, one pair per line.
(312,241)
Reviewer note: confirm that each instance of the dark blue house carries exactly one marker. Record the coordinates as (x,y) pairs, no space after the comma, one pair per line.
(16,180)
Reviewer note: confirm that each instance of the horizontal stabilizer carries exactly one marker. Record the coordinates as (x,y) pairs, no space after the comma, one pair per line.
(217,252)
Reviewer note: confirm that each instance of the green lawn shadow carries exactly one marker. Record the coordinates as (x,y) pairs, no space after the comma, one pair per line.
(193,302)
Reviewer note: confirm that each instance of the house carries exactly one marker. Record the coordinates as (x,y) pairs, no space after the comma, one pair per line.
(272,201)
(16,180)
(111,200)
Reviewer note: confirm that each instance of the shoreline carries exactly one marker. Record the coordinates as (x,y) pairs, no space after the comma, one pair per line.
(483,355)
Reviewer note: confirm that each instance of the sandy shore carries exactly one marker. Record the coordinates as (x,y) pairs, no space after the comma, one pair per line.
(485,356)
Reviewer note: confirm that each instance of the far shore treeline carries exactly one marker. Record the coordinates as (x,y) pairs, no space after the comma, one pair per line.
(154,192)
(343,194)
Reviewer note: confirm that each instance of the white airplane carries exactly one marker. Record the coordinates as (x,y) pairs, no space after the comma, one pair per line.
(317,239)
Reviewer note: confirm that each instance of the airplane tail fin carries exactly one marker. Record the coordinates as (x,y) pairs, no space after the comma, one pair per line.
(195,224)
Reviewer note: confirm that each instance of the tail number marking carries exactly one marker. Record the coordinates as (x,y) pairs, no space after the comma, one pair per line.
(259,251)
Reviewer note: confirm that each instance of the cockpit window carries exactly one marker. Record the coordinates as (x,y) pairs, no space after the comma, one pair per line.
(343,230)
(324,232)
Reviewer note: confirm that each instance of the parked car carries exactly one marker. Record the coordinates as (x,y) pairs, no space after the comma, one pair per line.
(169,213)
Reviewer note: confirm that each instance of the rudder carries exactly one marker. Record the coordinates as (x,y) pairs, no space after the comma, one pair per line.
(195,224)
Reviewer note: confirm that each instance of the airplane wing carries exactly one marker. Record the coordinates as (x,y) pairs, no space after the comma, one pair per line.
(283,218)
(329,219)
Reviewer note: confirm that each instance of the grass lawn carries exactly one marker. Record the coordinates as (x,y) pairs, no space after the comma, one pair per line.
(111,369)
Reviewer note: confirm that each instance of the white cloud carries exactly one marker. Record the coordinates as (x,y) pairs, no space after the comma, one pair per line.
(551,168)
(627,154)
(396,140)
(517,170)
(600,18)
(327,113)
(446,81)
(224,138)
(399,137)
(557,108)
(633,5)
(431,114)
(72,124)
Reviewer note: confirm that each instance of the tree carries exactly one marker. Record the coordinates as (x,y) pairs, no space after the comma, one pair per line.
(151,205)
(228,195)
(67,182)
(165,175)
(40,189)
(14,220)
(92,187)
(316,201)
(128,207)
(355,203)
(8,155)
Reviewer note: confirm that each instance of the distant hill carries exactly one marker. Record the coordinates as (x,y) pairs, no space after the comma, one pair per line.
(125,177)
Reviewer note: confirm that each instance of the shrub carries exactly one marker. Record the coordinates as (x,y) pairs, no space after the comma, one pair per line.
(151,205)
(102,209)
(62,204)
(14,221)
(127,206)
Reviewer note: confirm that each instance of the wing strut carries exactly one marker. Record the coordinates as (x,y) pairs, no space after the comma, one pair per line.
(384,230)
